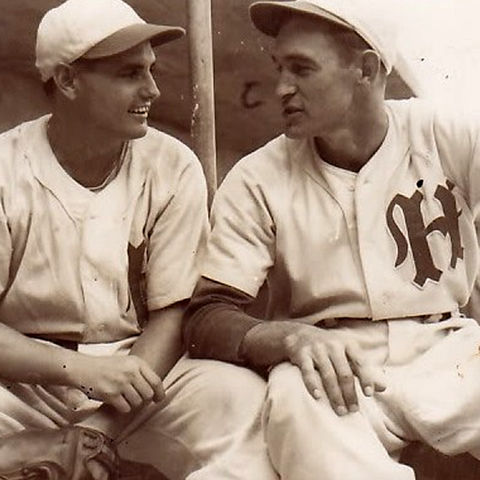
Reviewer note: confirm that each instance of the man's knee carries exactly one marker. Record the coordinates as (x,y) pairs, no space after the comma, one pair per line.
(286,388)
(224,388)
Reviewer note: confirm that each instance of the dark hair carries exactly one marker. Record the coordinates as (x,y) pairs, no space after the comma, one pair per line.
(49,87)
(347,42)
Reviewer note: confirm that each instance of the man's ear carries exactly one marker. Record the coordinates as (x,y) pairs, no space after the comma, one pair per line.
(65,78)
(371,66)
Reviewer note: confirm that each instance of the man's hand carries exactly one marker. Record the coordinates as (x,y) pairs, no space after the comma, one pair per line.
(124,382)
(325,358)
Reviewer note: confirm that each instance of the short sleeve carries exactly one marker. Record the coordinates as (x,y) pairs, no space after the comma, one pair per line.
(242,245)
(9,149)
(178,237)
(5,253)
(457,135)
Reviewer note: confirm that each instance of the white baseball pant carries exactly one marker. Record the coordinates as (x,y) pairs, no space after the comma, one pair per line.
(433,395)
(208,427)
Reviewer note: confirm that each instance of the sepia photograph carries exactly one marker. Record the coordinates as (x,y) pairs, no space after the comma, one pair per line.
(238,240)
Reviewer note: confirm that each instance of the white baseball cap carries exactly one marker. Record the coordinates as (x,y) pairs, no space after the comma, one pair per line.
(370,19)
(93,29)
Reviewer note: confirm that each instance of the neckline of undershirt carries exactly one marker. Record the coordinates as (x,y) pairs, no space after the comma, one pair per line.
(338,171)
(385,146)
(114,171)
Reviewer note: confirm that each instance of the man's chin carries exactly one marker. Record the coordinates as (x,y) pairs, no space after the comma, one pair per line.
(138,132)
(294,133)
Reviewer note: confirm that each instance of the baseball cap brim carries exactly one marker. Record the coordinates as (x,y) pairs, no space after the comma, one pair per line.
(269,16)
(133,35)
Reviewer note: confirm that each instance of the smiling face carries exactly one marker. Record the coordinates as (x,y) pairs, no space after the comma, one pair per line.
(114,94)
(317,78)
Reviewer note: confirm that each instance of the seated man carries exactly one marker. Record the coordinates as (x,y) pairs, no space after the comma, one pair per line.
(94,204)
(362,221)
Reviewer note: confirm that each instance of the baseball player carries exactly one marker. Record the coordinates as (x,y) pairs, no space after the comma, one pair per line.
(102,219)
(361,220)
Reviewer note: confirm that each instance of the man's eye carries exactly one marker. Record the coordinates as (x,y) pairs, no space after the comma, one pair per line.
(130,74)
(300,69)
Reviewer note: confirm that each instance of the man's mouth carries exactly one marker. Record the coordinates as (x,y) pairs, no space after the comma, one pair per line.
(288,111)
(140,110)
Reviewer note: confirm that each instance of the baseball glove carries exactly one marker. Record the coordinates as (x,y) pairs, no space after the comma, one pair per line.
(70,453)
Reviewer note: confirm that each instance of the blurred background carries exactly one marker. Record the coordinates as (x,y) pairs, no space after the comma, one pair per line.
(247,113)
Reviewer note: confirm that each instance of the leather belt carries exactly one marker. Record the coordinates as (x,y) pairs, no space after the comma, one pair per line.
(69,344)
(430,318)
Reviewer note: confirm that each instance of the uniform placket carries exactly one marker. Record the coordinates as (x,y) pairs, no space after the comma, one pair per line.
(99,285)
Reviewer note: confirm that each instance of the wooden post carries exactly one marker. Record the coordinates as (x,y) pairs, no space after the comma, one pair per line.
(199,14)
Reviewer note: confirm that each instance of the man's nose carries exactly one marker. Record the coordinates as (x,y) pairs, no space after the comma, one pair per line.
(150,88)
(286,85)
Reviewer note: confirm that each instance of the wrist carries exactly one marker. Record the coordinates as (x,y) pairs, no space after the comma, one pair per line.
(264,344)
(73,366)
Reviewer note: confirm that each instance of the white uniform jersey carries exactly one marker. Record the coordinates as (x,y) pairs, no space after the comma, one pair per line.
(66,253)
(395,240)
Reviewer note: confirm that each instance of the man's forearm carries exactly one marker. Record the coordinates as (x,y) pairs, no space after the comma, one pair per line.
(25,360)
(218,327)
(160,343)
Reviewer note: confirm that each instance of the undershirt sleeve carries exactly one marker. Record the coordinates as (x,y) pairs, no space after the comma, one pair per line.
(216,322)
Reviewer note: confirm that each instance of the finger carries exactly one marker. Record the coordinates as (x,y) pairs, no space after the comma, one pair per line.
(371,378)
(378,377)
(132,397)
(311,377)
(330,383)
(345,378)
(154,381)
(143,388)
(119,403)
(159,394)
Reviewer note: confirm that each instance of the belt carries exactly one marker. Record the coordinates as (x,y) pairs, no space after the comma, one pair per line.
(430,318)
(69,344)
